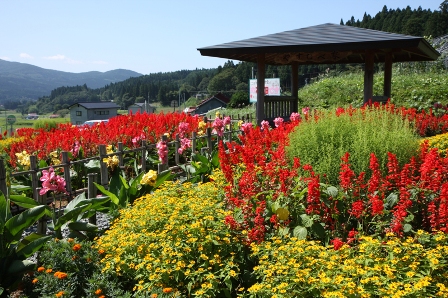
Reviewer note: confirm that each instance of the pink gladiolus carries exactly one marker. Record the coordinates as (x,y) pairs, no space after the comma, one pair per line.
(265,125)
(306,110)
(218,126)
(295,117)
(75,149)
(53,182)
(162,151)
(278,121)
(185,143)
(246,127)
(183,129)
(227,120)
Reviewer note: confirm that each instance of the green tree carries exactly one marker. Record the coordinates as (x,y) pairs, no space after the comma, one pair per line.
(239,99)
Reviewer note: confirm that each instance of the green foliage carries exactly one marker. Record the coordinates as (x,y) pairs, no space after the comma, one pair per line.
(73,267)
(409,89)
(201,166)
(45,124)
(322,143)
(239,99)
(13,248)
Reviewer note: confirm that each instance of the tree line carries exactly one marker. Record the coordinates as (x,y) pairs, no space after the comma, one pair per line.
(232,79)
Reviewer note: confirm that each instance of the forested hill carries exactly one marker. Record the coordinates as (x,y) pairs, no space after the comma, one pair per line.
(232,78)
(416,22)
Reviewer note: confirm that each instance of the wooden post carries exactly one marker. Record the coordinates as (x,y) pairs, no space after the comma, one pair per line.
(294,87)
(209,140)
(176,150)
(66,166)
(260,88)
(91,193)
(193,142)
(143,159)
(120,154)
(103,167)
(3,186)
(42,222)
(368,76)
(388,75)
(34,180)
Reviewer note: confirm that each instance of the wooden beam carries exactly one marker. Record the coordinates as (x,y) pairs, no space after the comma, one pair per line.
(368,75)
(260,88)
(388,75)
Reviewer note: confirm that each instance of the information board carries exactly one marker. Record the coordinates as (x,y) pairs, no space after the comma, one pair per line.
(271,88)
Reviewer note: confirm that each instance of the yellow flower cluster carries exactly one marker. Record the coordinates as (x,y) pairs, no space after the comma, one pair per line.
(201,128)
(23,158)
(440,142)
(6,143)
(174,238)
(375,268)
(111,161)
(54,156)
(149,178)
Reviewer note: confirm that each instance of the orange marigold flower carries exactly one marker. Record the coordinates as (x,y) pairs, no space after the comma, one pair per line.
(98,292)
(60,293)
(70,240)
(60,275)
(76,247)
(102,296)
(167,290)
(101,251)
(74,258)
(40,269)
(153,295)
(35,280)
(49,270)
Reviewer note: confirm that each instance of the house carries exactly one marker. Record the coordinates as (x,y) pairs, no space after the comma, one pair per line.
(216,101)
(83,111)
(141,107)
(189,110)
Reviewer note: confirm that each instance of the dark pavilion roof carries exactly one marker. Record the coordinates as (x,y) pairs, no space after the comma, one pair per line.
(326,43)
(97,105)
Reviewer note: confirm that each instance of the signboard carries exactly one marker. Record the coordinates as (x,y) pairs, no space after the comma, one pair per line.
(11,119)
(174,103)
(271,88)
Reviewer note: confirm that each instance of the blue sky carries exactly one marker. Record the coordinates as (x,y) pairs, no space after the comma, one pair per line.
(157,36)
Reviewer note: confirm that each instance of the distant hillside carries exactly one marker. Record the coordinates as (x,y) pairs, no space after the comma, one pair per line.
(21,81)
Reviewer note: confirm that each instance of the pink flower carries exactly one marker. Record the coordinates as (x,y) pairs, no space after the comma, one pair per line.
(53,182)
(265,125)
(295,117)
(227,120)
(305,110)
(185,143)
(75,149)
(278,121)
(246,127)
(183,129)
(162,151)
(218,126)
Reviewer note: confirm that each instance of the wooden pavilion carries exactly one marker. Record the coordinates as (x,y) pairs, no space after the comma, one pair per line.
(322,44)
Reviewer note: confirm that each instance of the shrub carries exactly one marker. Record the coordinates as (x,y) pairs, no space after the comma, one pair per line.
(360,132)
(175,240)
(72,267)
(46,124)
(392,267)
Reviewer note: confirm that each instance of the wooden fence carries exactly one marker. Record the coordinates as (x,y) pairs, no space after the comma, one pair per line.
(91,191)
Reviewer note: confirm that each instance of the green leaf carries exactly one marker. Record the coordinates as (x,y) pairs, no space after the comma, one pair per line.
(31,243)
(407,228)
(283,231)
(115,183)
(300,232)
(112,196)
(79,198)
(23,201)
(391,200)
(215,159)
(228,282)
(318,229)
(71,215)
(82,226)
(92,164)
(162,178)
(306,220)
(19,188)
(18,266)
(332,191)
(124,183)
(4,209)
(18,223)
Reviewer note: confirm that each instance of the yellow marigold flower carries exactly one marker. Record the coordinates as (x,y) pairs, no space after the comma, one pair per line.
(149,178)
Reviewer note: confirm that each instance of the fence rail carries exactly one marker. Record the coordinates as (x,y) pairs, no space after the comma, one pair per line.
(279,106)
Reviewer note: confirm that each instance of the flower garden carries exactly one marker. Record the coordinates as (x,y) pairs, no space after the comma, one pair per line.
(327,204)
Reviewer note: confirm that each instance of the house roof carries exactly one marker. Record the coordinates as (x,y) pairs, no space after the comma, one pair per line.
(97,105)
(326,44)
(220,97)
(141,104)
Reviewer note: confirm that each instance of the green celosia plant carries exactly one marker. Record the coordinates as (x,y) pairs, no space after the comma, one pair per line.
(175,242)
(390,267)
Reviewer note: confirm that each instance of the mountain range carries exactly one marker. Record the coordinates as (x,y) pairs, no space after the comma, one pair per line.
(20,81)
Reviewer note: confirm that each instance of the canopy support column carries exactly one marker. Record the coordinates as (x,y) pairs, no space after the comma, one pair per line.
(368,75)
(260,88)
(295,86)
(388,75)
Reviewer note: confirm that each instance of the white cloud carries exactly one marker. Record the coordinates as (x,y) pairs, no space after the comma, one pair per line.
(25,55)
(5,58)
(63,58)
(56,57)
